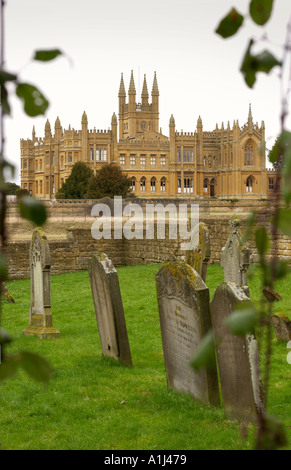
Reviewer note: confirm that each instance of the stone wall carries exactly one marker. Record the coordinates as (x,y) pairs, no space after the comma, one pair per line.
(72,245)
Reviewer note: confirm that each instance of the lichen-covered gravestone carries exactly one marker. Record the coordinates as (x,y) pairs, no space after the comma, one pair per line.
(183,301)
(109,309)
(40,316)
(198,253)
(235,258)
(237,358)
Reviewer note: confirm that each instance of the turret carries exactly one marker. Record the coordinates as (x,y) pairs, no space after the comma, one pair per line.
(47,130)
(113,148)
(84,123)
(131,94)
(58,129)
(155,103)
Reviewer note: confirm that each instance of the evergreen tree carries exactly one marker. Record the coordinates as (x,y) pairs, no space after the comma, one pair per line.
(76,185)
(109,182)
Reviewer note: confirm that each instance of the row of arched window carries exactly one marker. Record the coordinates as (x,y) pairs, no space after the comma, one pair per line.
(154,184)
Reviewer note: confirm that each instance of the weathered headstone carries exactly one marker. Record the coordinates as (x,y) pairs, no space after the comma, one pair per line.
(235,258)
(237,358)
(198,253)
(40,316)
(183,301)
(109,309)
(282,326)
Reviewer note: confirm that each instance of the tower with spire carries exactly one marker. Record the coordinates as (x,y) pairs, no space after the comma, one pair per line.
(136,118)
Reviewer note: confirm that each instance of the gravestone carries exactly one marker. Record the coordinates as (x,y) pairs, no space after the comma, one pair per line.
(237,358)
(109,309)
(282,326)
(199,251)
(40,315)
(235,258)
(184,312)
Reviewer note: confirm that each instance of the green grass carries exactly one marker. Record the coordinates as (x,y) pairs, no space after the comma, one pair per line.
(93,402)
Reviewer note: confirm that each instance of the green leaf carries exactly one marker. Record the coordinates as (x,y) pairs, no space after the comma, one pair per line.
(46,55)
(260,11)
(32,210)
(284,220)
(4,101)
(262,240)
(243,319)
(7,76)
(204,355)
(230,24)
(34,101)
(9,366)
(252,64)
(36,366)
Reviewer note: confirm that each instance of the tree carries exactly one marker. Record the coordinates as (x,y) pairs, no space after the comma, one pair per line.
(11,188)
(75,187)
(21,192)
(109,182)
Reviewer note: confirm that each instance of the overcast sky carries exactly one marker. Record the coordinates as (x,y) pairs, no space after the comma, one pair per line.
(197,71)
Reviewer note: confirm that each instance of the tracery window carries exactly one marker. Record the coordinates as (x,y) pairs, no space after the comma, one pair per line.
(249,153)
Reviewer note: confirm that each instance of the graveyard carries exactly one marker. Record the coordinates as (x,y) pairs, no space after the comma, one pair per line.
(120,341)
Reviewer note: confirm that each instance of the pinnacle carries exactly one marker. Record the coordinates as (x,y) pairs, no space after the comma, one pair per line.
(155,89)
(131,90)
(122,88)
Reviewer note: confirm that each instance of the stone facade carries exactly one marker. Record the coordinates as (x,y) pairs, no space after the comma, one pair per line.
(227,162)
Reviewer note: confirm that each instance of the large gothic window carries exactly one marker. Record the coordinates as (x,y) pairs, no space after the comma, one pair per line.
(249,153)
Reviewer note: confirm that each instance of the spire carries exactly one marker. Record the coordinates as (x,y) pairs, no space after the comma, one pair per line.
(33,133)
(199,121)
(144,93)
(155,89)
(114,120)
(57,123)
(122,87)
(131,90)
(84,118)
(47,126)
(250,117)
(172,121)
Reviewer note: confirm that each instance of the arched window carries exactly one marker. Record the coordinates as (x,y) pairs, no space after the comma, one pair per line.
(212,187)
(188,185)
(163,185)
(153,185)
(249,153)
(142,184)
(205,185)
(132,184)
(249,185)
(179,185)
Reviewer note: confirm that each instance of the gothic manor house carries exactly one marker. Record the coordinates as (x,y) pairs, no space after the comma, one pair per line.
(224,163)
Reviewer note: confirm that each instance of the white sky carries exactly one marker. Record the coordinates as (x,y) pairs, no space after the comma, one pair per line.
(197,71)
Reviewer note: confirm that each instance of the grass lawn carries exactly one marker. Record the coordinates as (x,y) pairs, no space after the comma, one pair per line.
(95,403)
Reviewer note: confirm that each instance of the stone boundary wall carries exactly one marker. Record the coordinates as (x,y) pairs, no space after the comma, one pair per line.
(73,250)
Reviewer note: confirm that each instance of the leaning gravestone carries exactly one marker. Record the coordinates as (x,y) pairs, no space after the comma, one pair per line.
(198,253)
(235,258)
(183,301)
(237,358)
(109,309)
(40,317)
